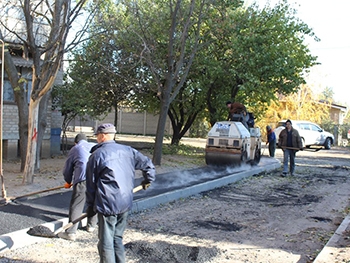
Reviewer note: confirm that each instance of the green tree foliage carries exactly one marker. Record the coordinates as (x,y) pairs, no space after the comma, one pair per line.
(98,69)
(102,70)
(73,100)
(258,55)
(160,38)
(245,57)
(187,58)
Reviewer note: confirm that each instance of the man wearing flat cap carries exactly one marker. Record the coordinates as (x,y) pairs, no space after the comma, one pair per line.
(106,128)
(110,182)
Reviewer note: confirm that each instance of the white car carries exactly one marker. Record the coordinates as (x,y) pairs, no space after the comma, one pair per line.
(311,134)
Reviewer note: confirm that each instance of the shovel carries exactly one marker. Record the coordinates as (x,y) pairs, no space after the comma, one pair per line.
(11,199)
(304,149)
(43,231)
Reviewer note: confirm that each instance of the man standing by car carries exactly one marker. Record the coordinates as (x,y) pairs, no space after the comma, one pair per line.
(290,142)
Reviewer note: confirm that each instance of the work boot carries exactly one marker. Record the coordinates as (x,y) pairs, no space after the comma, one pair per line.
(67,236)
(90,229)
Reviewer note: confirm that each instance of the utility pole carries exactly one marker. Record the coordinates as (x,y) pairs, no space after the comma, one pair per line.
(3,190)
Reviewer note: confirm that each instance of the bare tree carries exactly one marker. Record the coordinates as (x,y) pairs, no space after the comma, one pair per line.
(41,27)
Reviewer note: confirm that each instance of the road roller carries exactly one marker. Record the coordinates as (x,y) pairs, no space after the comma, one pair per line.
(231,143)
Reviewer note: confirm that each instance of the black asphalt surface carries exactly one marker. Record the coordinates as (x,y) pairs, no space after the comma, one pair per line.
(26,213)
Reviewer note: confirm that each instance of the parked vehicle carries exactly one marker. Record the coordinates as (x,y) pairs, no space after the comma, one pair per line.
(311,134)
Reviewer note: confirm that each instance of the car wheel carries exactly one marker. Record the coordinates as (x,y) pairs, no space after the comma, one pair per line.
(327,144)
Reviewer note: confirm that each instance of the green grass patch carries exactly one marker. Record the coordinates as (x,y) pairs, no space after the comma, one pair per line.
(182,149)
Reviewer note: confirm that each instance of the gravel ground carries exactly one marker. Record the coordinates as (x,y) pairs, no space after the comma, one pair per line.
(264,218)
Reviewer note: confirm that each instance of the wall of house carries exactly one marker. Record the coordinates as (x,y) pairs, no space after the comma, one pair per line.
(337,115)
(11,135)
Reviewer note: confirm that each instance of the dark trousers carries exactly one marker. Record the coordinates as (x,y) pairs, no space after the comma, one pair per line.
(76,207)
(110,235)
(272,148)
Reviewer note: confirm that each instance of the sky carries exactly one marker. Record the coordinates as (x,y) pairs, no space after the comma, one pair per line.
(330,21)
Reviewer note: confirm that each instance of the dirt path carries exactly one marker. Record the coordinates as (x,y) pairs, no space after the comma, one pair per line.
(265,218)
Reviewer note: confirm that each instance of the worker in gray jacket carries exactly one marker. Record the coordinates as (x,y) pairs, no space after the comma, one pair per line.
(110,181)
(74,175)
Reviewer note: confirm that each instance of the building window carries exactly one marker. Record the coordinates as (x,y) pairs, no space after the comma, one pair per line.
(8,92)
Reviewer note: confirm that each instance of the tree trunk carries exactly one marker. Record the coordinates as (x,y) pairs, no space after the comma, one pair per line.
(180,129)
(157,154)
(28,174)
(116,115)
(41,127)
(23,133)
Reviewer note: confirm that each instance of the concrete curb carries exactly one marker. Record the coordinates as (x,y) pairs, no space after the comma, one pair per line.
(20,238)
(330,250)
(150,202)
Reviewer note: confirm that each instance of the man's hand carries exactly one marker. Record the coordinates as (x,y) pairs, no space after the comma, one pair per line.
(145,184)
(90,211)
(68,185)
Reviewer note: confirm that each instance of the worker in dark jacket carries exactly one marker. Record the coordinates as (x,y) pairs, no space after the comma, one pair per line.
(110,182)
(74,175)
(271,141)
(238,112)
(237,108)
(290,142)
